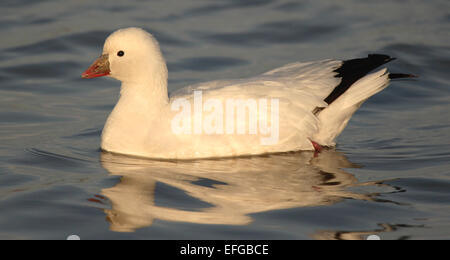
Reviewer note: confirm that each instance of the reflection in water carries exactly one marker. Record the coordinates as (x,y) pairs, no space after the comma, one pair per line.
(352,235)
(363,235)
(231,189)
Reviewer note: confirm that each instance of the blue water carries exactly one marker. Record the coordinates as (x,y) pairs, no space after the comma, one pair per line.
(389,175)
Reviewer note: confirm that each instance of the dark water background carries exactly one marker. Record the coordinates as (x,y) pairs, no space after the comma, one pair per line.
(390,174)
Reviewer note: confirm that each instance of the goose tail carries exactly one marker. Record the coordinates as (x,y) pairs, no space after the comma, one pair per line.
(356,87)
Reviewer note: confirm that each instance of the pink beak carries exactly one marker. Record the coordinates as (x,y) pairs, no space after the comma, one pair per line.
(99,68)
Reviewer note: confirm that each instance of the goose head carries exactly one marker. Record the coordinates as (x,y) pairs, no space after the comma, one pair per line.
(130,55)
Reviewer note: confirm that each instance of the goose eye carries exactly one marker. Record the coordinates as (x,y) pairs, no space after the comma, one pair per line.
(120,53)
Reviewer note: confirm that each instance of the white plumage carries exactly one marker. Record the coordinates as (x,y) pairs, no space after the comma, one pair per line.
(141,122)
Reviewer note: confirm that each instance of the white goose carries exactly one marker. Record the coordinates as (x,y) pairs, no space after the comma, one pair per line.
(300,106)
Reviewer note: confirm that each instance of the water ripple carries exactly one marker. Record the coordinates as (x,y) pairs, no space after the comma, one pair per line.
(283,32)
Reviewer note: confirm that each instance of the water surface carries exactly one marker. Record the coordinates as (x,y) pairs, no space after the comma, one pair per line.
(389,175)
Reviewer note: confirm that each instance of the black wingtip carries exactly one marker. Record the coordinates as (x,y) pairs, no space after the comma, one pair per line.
(352,70)
(383,58)
(401,76)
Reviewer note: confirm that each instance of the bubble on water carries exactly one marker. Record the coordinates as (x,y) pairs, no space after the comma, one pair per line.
(73,237)
(373,237)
